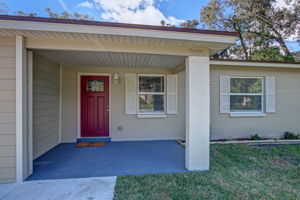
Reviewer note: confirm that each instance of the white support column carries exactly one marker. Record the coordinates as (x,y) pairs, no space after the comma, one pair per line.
(20,108)
(197,113)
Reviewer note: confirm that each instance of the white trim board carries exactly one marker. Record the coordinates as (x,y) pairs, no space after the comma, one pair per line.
(60,102)
(30,111)
(254,64)
(20,107)
(76,28)
(79,74)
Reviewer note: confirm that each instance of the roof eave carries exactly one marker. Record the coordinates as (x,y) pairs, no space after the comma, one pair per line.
(79,26)
(220,62)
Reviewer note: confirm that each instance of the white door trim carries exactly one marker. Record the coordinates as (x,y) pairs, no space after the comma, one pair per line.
(79,99)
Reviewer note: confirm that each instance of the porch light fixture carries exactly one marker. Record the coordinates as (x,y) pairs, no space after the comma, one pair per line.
(115,79)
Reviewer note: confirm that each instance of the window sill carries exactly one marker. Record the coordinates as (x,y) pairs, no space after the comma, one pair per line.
(247,114)
(148,116)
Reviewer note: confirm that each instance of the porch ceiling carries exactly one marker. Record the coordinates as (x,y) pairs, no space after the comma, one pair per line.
(111,59)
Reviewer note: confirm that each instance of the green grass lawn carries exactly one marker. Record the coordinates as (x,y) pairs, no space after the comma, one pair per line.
(238,171)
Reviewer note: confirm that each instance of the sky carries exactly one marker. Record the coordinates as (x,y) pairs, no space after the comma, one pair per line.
(130,11)
(126,11)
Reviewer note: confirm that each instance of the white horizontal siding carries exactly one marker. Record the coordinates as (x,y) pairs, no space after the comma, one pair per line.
(7,151)
(45,105)
(7,109)
(8,174)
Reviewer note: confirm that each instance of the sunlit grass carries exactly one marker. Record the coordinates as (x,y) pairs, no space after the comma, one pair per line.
(238,171)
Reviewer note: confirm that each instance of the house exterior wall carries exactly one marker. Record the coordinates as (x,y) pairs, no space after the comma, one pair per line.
(171,127)
(7,109)
(273,125)
(46,92)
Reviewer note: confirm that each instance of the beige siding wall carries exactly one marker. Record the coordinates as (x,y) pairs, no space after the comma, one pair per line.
(172,127)
(286,118)
(7,109)
(46,93)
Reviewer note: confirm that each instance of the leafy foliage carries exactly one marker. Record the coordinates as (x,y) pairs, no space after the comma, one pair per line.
(255,137)
(3,9)
(290,135)
(261,25)
(190,24)
(63,15)
(163,23)
(270,54)
(68,15)
(21,13)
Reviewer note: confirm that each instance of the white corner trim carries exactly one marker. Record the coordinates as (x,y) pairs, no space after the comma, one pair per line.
(247,114)
(60,102)
(20,105)
(30,111)
(79,74)
(149,116)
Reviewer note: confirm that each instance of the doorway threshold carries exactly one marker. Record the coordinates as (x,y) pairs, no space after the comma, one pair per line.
(94,139)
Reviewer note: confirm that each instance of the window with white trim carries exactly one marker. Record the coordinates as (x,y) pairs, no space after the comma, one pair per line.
(151,94)
(246,94)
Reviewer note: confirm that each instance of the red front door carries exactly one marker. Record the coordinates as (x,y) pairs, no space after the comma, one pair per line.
(94,106)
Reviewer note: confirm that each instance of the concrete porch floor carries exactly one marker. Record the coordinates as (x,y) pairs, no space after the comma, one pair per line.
(114,159)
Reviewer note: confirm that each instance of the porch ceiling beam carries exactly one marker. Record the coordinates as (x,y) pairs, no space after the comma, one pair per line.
(93,45)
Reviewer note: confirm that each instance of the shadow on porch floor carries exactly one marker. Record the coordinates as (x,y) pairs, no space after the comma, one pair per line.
(115,159)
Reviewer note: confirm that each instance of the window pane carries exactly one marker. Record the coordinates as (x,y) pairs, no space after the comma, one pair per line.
(95,86)
(245,103)
(246,85)
(151,84)
(151,103)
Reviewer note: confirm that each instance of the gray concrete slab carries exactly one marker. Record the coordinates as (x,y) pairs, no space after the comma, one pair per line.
(100,188)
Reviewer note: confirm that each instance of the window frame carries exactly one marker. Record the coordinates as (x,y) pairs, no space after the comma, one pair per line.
(153,93)
(262,94)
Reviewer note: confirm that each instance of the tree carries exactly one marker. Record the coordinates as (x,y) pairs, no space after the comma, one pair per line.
(21,13)
(190,24)
(268,54)
(68,15)
(297,56)
(163,23)
(260,24)
(3,9)
(281,23)
(213,17)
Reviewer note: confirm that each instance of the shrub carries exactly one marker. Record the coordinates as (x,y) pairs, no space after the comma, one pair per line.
(255,137)
(290,135)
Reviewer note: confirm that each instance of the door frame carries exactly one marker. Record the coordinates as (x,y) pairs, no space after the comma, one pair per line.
(79,75)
